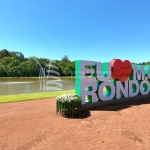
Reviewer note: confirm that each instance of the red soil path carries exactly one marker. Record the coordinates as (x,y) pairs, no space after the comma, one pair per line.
(34,125)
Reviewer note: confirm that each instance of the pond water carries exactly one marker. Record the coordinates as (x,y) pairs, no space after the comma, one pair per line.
(9,86)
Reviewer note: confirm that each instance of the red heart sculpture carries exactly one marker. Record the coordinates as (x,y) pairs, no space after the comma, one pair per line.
(121,69)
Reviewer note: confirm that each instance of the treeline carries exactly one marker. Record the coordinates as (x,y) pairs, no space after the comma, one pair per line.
(14,64)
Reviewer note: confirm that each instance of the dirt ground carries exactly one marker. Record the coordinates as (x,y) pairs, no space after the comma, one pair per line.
(34,125)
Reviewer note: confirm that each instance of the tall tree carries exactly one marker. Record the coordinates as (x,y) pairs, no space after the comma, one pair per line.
(65,59)
(4,53)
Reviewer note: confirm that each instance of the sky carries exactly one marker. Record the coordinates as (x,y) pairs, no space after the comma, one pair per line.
(95,30)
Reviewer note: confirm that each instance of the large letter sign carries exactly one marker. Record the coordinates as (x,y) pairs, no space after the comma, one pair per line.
(96,81)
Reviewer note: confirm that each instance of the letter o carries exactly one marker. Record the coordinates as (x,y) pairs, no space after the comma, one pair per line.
(141,87)
(100,91)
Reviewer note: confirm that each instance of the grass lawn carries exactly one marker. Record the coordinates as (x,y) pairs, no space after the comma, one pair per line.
(32,96)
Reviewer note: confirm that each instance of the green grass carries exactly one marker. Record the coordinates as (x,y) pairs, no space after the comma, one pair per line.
(32,96)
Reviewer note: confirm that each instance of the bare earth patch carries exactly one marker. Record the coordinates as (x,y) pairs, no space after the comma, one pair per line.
(34,125)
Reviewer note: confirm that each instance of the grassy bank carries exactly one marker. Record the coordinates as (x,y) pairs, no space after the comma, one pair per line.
(32,96)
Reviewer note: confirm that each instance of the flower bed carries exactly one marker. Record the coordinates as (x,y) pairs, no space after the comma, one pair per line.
(68,105)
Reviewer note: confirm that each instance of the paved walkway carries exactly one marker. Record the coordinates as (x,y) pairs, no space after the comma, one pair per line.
(34,125)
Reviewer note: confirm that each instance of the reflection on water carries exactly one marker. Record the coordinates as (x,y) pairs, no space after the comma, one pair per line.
(9,86)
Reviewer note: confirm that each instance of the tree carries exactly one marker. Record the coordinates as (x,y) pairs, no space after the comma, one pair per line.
(65,59)
(4,53)
(2,70)
(14,64)
(17,55)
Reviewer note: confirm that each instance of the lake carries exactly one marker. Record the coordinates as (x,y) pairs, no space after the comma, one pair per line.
(9,86)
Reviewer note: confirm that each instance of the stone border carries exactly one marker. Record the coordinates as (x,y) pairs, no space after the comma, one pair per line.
(90,106)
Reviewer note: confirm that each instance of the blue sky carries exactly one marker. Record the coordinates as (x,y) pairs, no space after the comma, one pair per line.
(97,30)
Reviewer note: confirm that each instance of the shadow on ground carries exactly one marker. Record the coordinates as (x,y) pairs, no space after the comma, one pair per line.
(83,114)
(114,107)
(123,105)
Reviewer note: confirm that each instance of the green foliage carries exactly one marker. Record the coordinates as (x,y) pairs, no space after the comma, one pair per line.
(65,59)
(14,64)
(68,105)
(4,53)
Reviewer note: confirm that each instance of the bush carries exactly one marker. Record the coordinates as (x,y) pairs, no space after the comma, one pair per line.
(68,105)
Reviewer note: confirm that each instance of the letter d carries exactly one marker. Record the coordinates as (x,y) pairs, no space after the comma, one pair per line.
(133,91)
